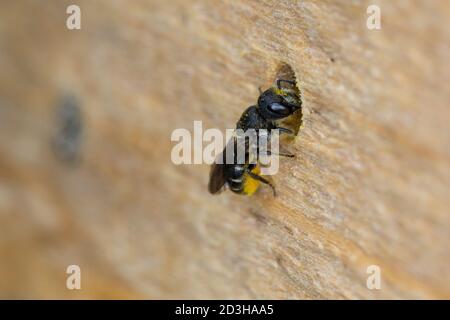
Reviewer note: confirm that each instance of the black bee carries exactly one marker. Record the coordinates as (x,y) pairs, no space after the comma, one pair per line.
(273,104)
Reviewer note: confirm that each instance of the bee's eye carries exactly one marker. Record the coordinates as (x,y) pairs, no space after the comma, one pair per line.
(279,109)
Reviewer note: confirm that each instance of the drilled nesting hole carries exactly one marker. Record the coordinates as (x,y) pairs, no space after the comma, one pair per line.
(294,122)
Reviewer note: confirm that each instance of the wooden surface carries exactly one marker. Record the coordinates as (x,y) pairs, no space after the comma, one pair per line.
(369,184)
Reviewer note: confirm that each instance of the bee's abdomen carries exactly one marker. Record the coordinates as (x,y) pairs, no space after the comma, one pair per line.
(244,184)
(236,185)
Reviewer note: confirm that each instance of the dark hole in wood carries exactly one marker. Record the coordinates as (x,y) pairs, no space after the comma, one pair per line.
(69,127)
(293,122)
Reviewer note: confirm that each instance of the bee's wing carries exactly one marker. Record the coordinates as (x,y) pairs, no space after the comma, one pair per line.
(216,178)
(217,175)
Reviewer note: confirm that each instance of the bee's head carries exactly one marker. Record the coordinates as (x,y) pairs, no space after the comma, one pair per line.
(273,106)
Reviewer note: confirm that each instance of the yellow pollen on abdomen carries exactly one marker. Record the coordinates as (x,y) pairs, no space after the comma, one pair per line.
(250,184)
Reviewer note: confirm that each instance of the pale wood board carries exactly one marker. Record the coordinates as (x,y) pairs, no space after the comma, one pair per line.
(369,184)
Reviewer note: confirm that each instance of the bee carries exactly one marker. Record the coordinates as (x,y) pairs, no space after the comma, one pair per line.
(274,104)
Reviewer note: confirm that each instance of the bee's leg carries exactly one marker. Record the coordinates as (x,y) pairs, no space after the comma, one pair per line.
(279,81)
(264,165)
(263,180)
(289,155)
(285,130)
(269,153)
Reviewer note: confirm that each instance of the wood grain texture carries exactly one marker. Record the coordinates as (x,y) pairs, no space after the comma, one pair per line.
(369,184)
